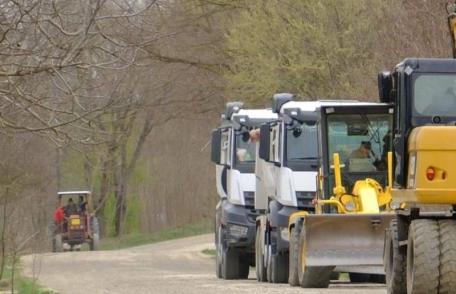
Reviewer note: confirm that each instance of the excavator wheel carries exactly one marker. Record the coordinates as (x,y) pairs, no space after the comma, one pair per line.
(395,262)
(311,277)
(423,257)
(447,283)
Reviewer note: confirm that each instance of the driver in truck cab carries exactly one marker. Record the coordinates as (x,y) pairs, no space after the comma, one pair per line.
(248,151)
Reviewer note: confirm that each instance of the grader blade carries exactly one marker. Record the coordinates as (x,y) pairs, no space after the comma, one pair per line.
(345,239)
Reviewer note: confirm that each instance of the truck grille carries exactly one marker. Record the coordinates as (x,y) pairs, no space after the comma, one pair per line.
(304,200)
(249,199)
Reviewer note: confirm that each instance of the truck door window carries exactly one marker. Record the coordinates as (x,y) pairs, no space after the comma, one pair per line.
(302,142)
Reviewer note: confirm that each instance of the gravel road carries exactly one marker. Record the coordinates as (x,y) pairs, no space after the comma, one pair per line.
(176,266)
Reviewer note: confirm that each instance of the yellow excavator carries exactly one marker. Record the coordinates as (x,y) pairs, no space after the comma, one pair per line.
(420,244)
(346,232)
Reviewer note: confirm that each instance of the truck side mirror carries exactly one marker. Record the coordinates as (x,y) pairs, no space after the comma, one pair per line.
(265,134)
(216,144)
(385,85)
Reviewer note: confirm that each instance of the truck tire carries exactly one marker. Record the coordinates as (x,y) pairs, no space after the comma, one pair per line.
(293,278)
(423,257)
(447,256)
(58,243)
(231,265)
(311,277)
(395,262)
(279,268)
(218,252)
(259,256)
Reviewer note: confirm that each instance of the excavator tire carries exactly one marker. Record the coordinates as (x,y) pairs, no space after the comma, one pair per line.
(423,257)
(395,262)
(447,282)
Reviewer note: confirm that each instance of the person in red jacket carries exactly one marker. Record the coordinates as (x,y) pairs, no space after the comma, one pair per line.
(59,215)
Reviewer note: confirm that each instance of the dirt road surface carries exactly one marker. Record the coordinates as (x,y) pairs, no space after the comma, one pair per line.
(176,266)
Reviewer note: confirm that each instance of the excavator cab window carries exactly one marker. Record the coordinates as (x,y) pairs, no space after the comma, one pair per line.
(362,142)
(434,96)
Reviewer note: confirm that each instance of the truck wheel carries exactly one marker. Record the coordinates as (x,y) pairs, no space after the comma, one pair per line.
(311,277)
(231,265)
(58,243)
(244,268)
(259,256)
(395,262)
(293,278)
(423,254)
(94,242)
(447,256)
(218,252)
(279,268)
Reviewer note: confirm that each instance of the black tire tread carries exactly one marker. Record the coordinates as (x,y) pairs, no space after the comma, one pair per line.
(396,281)
(279,268)
(425,239)
(447,283)
(259,258)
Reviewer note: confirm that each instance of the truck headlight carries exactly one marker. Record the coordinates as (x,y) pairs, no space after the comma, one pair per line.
(237,231)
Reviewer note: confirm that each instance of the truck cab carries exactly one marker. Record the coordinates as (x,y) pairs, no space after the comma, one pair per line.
(234,154)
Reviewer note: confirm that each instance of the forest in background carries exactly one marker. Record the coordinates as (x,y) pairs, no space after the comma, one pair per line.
(119,97)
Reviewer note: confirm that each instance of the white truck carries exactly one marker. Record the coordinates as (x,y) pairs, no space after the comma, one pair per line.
(234,154)
(286,179)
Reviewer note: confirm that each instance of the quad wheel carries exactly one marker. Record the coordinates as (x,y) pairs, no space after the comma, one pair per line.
(430,261)
(94,242)
(230,264)
(311,276)
(57,243)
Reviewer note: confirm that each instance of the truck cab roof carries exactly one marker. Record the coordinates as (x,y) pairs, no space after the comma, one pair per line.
(249,118)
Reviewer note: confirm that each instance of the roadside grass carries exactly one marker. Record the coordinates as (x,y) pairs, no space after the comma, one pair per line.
(136,239)
(22,285)
(210,252)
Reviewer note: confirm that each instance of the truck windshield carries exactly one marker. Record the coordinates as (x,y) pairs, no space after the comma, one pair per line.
(435,95)
(245,148)
(302,142)
(362,140)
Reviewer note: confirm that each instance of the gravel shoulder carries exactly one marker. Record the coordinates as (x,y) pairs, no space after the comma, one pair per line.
(176,266)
